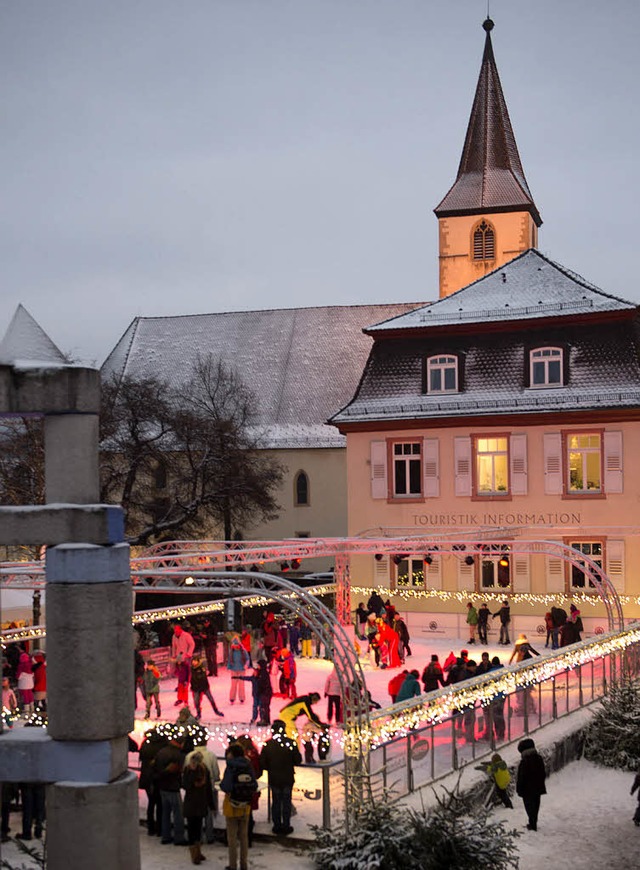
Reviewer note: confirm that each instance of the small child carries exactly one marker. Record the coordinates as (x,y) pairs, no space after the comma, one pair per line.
(499,771)
(636,787)
(151,683)
(9,700)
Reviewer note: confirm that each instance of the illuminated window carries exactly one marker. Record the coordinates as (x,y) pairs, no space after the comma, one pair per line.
(492,465)
(442,374)
(546,367)
(484,242)
(410,574)
(584,462)
(594,550)
(301,489)
(407,469)
(495,567)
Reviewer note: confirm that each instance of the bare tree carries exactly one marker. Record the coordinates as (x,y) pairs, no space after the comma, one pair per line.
(21,461)
(241,477)
(180,461)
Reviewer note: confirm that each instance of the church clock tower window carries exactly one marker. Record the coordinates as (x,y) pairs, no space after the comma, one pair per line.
(484,242)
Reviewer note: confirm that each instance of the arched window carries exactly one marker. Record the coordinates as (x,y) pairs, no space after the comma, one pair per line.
(442,374)
(301,489)
(484,242)
(546,367)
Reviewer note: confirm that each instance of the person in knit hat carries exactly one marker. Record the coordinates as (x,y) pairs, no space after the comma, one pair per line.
(530,780)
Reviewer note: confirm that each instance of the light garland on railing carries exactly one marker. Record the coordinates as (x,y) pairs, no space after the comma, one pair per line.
(451,700)
(463,596)
(223,734)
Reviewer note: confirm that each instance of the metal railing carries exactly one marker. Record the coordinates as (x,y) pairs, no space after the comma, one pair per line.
(425,753)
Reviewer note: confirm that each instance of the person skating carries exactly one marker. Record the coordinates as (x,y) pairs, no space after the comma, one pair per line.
(530,781)
(505,618)
(395,684)
(432,675)
(483,621)
(410,687)
(151,683)
(303,706)
(472,621)
(200,686)
(237,662)
(182,647)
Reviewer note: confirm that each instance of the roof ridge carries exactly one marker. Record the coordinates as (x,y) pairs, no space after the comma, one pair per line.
(295,308)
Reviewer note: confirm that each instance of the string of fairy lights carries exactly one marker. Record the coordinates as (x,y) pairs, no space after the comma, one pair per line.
(185,611)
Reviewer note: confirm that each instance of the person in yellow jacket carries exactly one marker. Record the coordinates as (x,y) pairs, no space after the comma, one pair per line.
(499,772)
(302,706)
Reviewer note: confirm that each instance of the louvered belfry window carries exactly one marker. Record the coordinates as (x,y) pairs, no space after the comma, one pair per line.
(484,242)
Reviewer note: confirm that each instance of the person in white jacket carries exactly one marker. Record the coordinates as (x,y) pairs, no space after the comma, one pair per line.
(333,694)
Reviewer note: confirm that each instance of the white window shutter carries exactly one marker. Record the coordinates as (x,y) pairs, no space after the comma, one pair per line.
(520,575)
(379,469)
(462,459)
(555,574)
(615,564)
(466,576)
(552,463)
(433,573)
(613,462)
(431,460)
(381,570)
(518,448)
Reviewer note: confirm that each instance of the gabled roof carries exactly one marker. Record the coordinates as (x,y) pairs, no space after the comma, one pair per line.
(302,364)
(490,176)
(530,287)
(26,344)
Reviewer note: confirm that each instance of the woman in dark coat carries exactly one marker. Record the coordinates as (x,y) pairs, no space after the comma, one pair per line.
(198,800)
(432,676)
(149,748)
(530,782)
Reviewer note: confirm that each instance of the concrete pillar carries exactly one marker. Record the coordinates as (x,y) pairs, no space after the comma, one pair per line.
(90,698)
(93,826)
(71,458)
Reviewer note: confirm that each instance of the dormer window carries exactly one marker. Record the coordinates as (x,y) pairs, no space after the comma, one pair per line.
(442,374)
(545,367)
(484,242)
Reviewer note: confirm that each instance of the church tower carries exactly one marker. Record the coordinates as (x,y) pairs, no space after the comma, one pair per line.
(488,216)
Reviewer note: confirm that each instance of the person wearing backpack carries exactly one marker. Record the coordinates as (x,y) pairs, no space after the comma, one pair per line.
(239,786)
(499,772)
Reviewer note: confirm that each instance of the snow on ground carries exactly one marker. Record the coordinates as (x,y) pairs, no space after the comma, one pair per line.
(585,822)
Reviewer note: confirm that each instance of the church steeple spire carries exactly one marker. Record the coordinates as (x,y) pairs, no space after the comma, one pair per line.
(490,180)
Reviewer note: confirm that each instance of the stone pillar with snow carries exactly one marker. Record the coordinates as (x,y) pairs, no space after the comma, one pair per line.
(92,798)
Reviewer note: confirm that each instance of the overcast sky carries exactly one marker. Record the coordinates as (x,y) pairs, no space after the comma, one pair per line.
(162,157)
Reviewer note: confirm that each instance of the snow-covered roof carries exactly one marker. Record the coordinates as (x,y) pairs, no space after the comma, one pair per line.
(27,345)
(601,362)
(529,287)
(302,364)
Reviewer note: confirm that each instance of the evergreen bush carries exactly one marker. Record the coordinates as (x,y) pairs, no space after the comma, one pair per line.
(453,835)
(612,738)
